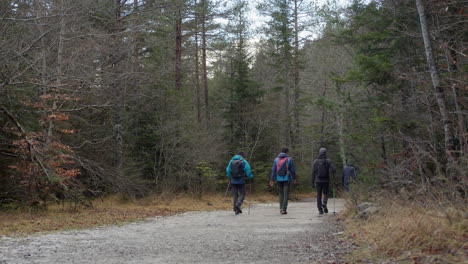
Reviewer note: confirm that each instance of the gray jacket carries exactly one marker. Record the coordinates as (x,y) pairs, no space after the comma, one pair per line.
(349,174)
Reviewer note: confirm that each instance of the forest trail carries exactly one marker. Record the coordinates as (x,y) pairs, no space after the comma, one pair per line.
(264,236)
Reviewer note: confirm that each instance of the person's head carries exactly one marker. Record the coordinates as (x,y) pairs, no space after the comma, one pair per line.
(284,150)
(322,151)
(241,153)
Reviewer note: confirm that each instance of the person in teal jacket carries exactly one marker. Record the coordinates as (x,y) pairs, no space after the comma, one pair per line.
(237,169)
(283,172)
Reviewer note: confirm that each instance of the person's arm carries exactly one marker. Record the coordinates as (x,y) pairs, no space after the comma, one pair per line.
(332,171)
(312,181)
(292,169)
(247,170)
(228,170)
(343,177)
(273,173)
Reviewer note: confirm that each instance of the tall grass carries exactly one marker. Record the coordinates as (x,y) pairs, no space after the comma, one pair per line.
(411,231)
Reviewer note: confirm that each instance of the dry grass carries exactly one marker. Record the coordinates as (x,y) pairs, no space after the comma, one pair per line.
(410,233)
(110,211)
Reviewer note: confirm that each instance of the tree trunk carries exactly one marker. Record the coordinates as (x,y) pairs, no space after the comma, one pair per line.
(117,93)
(438,90)
(296,76)
(197,66)
(44,81)
(205,74)
(135,40)
(340,125)
(287,127)
(178,50)
(58,83)
(341,137)
(322,119)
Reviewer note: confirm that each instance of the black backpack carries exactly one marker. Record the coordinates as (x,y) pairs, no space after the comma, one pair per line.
(237,169)
(323,169)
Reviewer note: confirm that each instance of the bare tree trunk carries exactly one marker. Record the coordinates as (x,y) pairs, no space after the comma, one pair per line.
(287,118)
(135,40)
(340,120)
(197,66)
(322,119)
(341,137)
(178,50)
(296,75)
(44,89)
(117,90)
(205,74)
(58,83)
(438,90)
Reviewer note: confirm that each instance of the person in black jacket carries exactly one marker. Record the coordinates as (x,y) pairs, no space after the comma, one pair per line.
(321,170)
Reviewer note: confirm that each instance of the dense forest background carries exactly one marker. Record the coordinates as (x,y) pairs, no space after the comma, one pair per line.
(155,96)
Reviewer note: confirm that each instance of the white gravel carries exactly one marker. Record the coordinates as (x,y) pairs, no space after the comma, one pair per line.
(264,236)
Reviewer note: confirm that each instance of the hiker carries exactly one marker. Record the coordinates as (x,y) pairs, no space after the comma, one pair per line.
(283,172)
(349,175)
(236,171)
(321,170)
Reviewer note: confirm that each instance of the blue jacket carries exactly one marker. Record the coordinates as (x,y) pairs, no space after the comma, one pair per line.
(248,173)
(291,169)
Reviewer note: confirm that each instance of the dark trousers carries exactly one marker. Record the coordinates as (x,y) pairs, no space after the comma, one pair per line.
(322,187)
(346,186)
(238,194)
(283,187)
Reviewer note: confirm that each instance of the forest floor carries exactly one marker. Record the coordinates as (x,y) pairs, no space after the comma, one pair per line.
(263,236)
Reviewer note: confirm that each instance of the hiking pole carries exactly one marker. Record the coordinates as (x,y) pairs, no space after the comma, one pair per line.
(227,189)
(333,190)
(334,200)
(250,193)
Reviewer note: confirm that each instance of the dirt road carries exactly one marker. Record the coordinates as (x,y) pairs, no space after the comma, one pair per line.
(264,236)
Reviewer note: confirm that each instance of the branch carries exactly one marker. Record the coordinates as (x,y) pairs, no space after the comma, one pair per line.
(32,151)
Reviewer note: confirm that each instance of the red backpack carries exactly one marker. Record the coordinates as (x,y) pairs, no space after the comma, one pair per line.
(282,166)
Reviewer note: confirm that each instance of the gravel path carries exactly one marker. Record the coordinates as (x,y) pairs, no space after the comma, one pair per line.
(264,236)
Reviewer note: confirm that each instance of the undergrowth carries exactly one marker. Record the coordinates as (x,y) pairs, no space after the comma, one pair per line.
(408,232)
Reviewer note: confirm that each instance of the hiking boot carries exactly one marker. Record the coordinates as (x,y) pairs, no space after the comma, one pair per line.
(237,210)
(325,209)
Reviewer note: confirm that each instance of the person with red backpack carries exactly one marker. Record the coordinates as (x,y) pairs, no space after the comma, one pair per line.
(237,169)
(283,172)
(321,170)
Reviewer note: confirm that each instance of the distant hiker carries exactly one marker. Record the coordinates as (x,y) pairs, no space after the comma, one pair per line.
(321,170)
(236,171)
(349,175)
(283,172)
